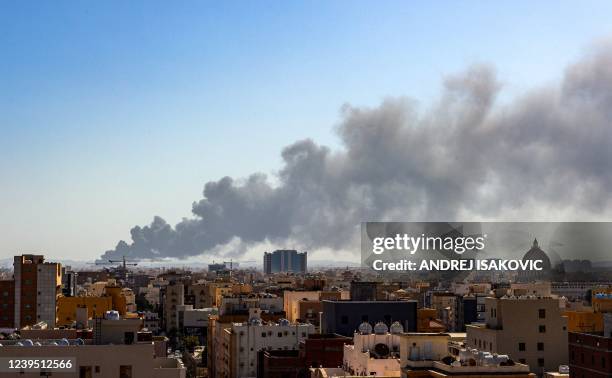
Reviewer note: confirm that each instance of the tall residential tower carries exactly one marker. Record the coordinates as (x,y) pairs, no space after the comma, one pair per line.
(285,260)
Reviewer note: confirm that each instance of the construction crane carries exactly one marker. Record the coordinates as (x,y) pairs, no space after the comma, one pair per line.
(230,263)
(124,264)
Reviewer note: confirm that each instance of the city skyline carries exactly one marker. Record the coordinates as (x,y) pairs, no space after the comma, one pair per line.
(305,189)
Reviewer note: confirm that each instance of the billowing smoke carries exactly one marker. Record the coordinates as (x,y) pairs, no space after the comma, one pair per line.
(544,156)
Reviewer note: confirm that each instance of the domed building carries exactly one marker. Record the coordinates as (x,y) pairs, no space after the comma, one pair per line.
(536,253)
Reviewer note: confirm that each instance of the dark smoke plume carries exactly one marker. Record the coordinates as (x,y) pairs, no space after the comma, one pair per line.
(545,156)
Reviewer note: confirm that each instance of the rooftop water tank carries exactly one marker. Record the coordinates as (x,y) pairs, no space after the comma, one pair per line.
(365,328)
(396,328)
(111,315)
(381,328)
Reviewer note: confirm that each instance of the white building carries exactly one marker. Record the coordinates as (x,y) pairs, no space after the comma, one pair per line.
(197,317)
(151,293)
(151,322)
(374,353)
(243,341)
(194,321)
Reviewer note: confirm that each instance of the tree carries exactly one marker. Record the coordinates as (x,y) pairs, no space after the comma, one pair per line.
(190,342)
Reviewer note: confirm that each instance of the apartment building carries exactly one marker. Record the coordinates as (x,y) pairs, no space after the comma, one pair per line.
(285,260)
(242,342)
(96,307)
(590,355)
(242,303)
(531,329)
(33,292)
(7,304)
(99,361)
(426,355)
(306,306)
(174,296)
(151,321)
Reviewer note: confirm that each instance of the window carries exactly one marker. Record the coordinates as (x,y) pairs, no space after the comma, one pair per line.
(540,362)
(128,338)
(97,369)
(85,372)
(540,346)
(542,313)
(263,334)
(542,328)
(125,371)
(521,347)
(280,334)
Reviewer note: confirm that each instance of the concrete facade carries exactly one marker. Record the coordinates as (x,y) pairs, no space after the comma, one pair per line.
(530,329)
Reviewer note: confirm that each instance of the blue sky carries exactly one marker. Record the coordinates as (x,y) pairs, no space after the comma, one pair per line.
(113,112)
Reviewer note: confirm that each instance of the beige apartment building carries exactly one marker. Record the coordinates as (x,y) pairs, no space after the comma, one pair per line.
(531,329)
(426,355)
(174,297)
(99,361)
(295,302)
(37,285)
